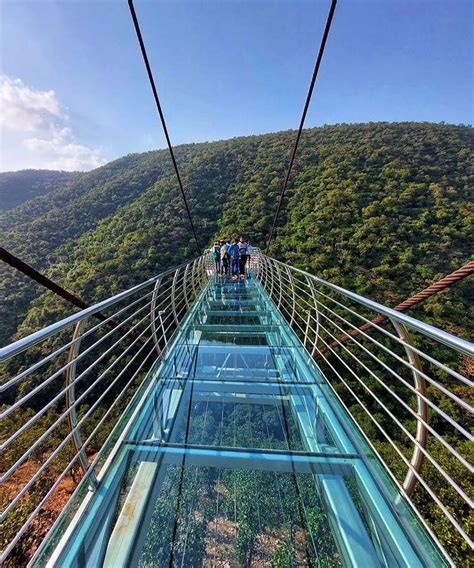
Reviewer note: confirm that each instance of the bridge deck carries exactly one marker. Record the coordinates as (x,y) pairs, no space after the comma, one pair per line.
(239,453)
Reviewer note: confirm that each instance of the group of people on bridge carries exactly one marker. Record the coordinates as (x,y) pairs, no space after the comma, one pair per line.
(230,258)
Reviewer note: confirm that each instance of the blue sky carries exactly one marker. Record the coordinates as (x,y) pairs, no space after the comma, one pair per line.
(223,68)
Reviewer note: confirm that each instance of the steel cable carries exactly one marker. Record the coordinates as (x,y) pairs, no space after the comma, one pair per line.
(303,118)
(162,117)
(440,285)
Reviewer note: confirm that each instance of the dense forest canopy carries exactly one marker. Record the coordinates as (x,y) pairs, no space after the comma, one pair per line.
(383,209)
(18,187)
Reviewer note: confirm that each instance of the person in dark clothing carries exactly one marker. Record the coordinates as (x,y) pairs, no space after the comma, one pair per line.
(225,258)
(244,255)
(234,254)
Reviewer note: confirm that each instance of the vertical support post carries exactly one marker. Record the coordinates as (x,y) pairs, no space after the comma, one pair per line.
(70,376)
(193,277)
(266,273)
(153,318)
(173,297)
(280,283)
(315,303)
(308,314)
(272,278)
(261,270)
(422,409)
(201,270)
(185,280)
(204,273)
(293,297)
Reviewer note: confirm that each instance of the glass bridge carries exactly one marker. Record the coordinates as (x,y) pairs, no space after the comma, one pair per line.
(235,450)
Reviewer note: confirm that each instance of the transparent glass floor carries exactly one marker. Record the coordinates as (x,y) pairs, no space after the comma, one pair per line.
(239,454)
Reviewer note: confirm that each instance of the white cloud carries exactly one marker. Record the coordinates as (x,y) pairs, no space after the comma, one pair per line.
(35,133)
(60,151)
(25,109)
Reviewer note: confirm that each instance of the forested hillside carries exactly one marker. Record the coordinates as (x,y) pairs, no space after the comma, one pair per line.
(18,187)
(380,208)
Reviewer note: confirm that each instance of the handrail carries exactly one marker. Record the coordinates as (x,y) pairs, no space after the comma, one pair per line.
(324,318)
(113,365)
(34,338)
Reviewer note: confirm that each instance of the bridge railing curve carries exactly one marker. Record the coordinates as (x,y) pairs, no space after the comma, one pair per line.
(405,382)
(64,388)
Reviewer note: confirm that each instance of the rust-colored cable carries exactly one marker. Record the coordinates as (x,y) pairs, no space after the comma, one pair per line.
(421,296)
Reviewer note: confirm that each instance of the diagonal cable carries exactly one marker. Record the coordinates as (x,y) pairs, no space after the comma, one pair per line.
(303,117)
(162,116)
(15,262)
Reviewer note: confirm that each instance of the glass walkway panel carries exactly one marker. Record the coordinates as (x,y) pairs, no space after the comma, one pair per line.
(236,451)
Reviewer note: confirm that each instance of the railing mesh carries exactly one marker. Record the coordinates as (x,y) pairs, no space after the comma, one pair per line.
(64,390)
(407,385)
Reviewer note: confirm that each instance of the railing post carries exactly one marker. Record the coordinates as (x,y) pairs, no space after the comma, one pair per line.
(422,409)
(200,270)
(293,297)
(280,284)
(185,291)
(193,276)
(308,312)
(261,272)
(315,303)
(153,318)
(266,273)
(272,278)
(70,375)
(204,271)
(173,297)
(280,295)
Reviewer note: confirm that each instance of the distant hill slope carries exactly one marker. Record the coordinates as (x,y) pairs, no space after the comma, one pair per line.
(21,186)
(380,208)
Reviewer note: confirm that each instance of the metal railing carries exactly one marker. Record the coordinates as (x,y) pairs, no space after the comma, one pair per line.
(402,383)
(65,387)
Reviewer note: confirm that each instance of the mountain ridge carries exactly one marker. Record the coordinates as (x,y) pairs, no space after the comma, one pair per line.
(124,221)
(24,185)
(383,209)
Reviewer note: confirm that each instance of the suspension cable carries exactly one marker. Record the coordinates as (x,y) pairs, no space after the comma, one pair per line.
(15,262)
(162,117)
(303,118)
(438,286)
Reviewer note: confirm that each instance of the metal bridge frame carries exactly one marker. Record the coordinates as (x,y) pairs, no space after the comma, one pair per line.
(319,314)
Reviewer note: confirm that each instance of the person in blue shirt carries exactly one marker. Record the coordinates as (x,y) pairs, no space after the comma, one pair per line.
(234,254)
